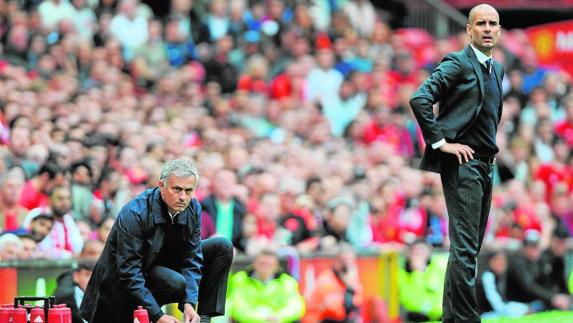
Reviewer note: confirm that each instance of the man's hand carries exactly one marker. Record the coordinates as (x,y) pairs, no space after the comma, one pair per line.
(463,152)
(167,319)
(190,315)
(561,301)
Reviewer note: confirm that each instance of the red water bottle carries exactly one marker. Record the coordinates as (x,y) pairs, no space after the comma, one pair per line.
(140,315)
(20,315)
(37,315)
(67,313)
(6,313)
(56,315)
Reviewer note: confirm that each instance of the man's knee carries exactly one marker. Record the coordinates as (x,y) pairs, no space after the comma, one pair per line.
(177,284)
(220,247)
(167,281)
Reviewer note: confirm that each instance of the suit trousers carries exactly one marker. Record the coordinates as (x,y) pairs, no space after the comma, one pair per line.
(167,285)
(468,193)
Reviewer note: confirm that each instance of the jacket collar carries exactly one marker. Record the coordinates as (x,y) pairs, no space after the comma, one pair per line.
(476,65)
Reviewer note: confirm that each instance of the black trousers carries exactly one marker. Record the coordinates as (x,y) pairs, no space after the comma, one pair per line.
(468,192)
(168,286)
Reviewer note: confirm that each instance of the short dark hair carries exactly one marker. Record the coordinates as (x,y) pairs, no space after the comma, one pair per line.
(58,187)
(82,163)
(50,168)
(46,216)
(313,180)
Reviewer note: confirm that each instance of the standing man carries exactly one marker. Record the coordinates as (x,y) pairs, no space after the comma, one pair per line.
(461,146)
(154,255)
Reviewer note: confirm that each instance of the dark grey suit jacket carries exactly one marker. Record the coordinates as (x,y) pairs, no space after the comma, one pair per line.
(457,85)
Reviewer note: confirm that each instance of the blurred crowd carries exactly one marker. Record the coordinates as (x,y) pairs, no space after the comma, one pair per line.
(295,112)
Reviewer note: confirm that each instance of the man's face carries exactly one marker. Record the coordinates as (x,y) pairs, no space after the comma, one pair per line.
(61,201)
(559,246)
(177,192)
(40,228)
(11,190)
(266,266)
(224,184)
(51,183)
(82,277)
(484,28)
(20,141)
(105,229)
(10,252)
(28,248)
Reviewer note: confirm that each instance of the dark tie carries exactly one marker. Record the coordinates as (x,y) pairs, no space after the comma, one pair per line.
(488,65)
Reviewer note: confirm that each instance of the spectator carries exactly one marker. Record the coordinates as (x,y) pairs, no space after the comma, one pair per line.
(82,196)
(35,191)
(362,16)
(10,247)
(341,108)
(129,27)
(64,240)
(85,20)
(112,192)
(492,287)
(29,248)
(268,216)
(20,142)
(217,20)
(564,128)
(264,293)
(553,263)
(224,207)
(178,48)
(338,295)
(302,225)
(218,68)
(524,278)
(323,81)
(337,217)
(421,281)
(11,213)
(72,286)
(105,228)
(52,12)
(38,225)
(92,249)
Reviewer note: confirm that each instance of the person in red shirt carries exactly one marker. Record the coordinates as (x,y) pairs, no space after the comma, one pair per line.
(11,213)
(253,81)
(35,191)
(558,171)
(383,128)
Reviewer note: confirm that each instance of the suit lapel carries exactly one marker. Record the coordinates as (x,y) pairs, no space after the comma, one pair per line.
(477,69)
(498,69)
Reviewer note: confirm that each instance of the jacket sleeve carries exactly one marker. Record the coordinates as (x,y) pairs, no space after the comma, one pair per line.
(444,77)
(192,262)
(130,231)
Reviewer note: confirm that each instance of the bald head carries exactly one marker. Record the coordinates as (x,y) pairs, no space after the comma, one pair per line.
(484,7)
